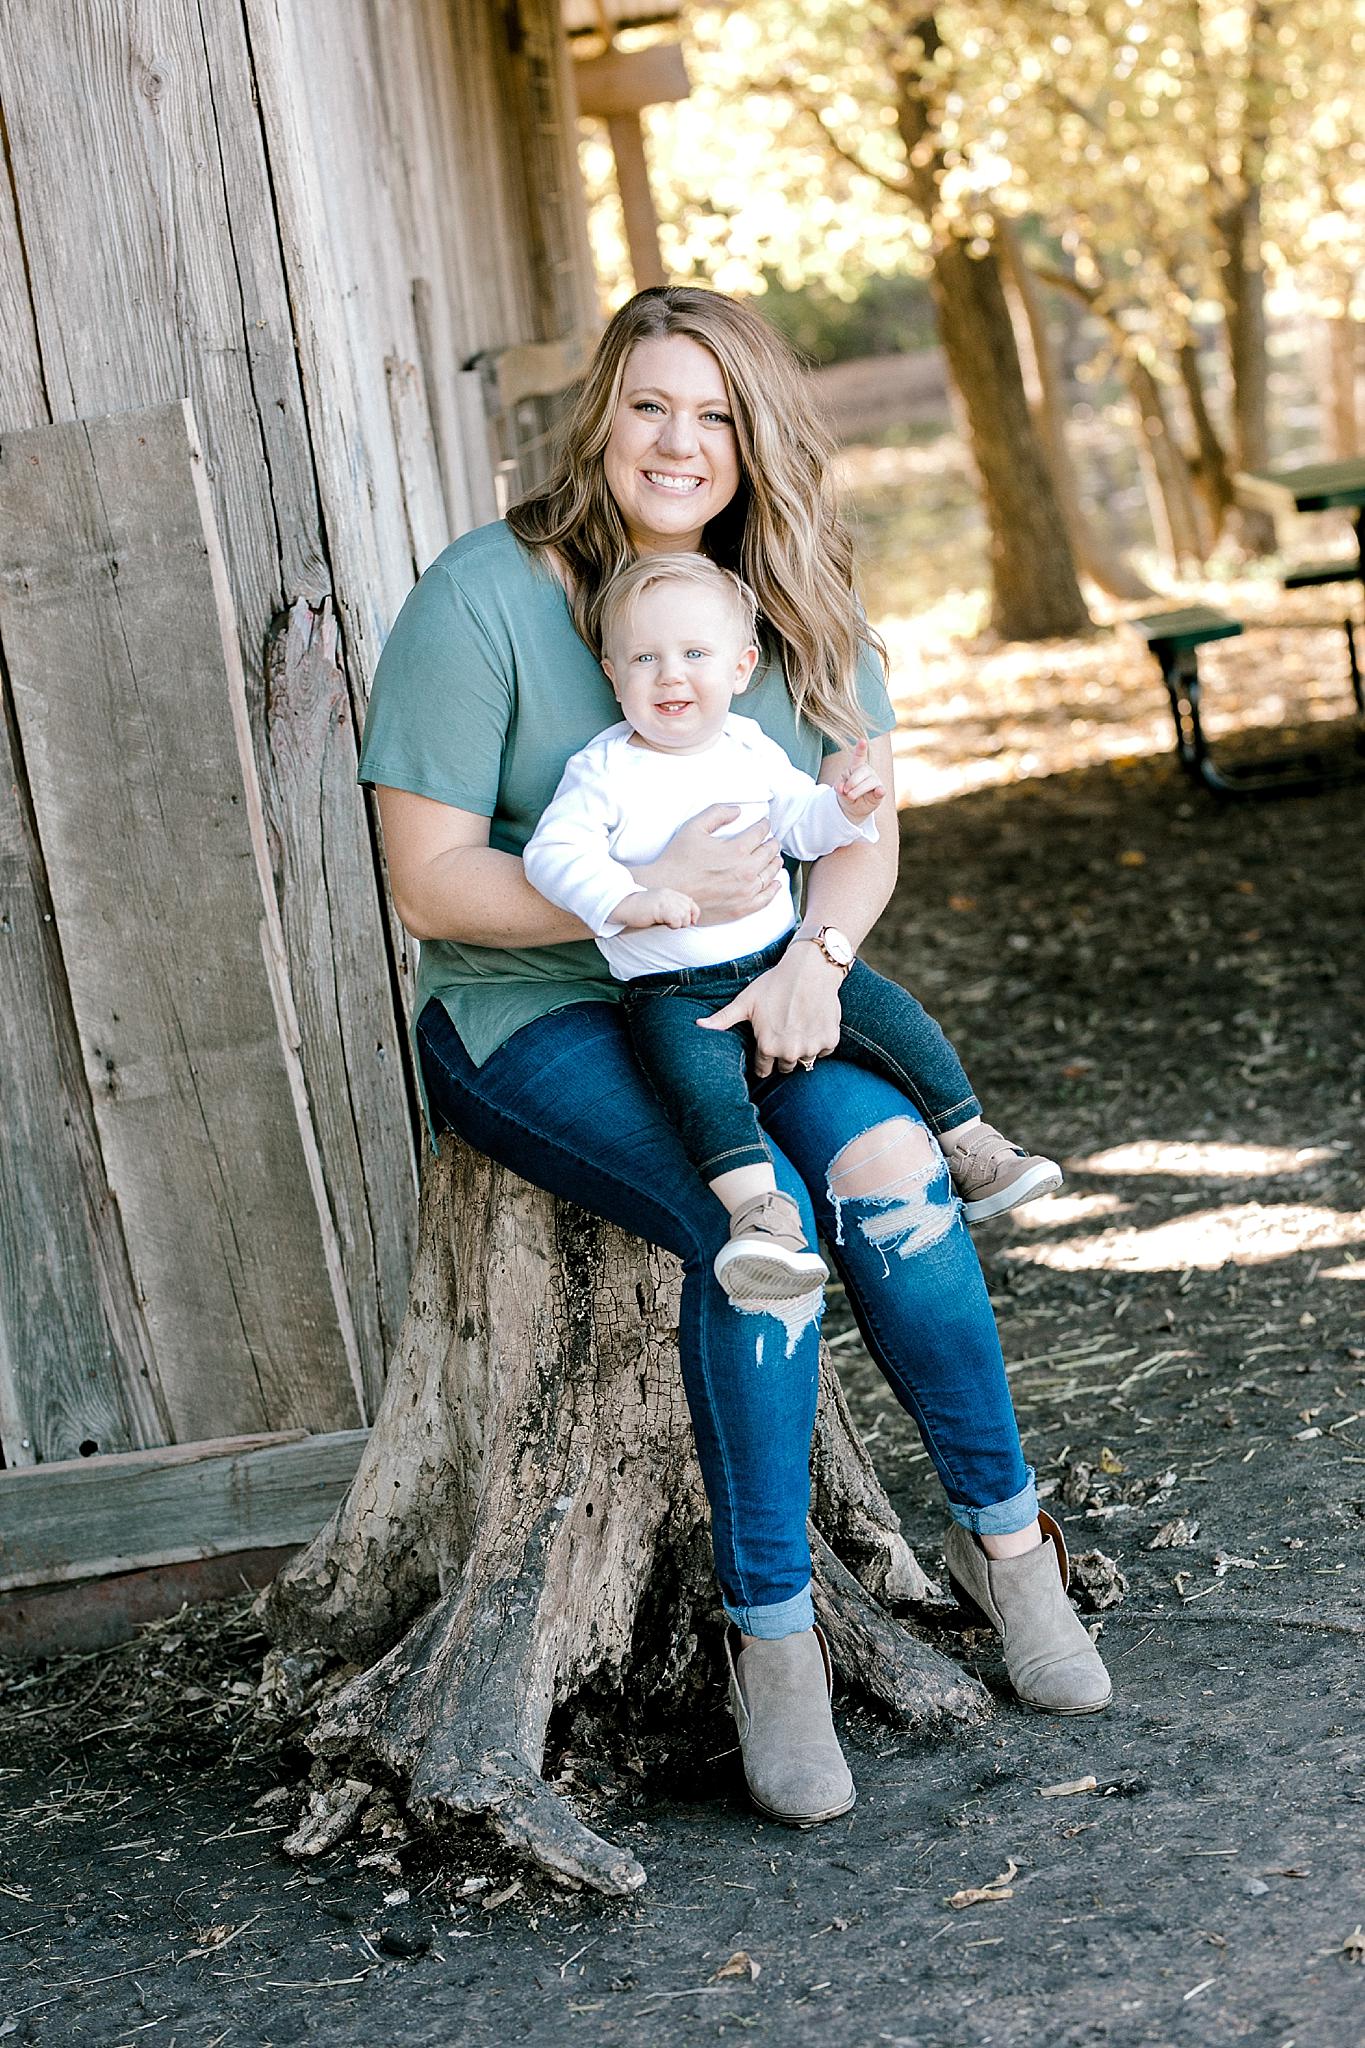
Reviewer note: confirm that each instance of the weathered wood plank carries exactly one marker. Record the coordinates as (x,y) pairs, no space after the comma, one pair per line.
(91,1516)
(350,1041)
(137,288)
(419,474)
(345,259)
(349,285)
(626,81)
(538,369)
(158,272)
(23,400)
(115,642)
(75,1361)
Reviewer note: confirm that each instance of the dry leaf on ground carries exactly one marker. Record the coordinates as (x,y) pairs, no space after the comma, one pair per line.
(740,1964)
(1175,1535)
(1096,1582)
(1065,1791)
(986,1894)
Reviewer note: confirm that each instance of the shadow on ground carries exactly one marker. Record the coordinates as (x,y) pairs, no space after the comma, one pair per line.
(1169,997)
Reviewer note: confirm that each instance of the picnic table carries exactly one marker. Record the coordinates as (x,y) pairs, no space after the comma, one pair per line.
(1319,487)
(1175,637)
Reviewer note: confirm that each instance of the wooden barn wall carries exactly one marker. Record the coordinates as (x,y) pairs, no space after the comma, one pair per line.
(322,223)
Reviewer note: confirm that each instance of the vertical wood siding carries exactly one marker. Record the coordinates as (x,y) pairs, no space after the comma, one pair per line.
(319,225)
(117,667)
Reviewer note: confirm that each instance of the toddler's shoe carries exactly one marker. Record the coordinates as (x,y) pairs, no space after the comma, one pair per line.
(766,1257)
(991,1174)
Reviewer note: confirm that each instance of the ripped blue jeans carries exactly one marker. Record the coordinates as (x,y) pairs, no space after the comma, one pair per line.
(564,1103)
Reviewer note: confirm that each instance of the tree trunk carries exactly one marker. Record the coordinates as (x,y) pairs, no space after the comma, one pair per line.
(1244,302)
(1105,567)
(1343,353)
(1034,592)
(529,1517)
(1212,477)
(1242,269)
(1165,471)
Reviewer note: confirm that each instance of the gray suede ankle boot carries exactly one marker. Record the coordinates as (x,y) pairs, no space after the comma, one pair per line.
(1050,1658)
(779,1695)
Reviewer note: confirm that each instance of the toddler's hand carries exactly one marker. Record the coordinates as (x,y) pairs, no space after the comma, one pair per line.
(656,906)
(858,790)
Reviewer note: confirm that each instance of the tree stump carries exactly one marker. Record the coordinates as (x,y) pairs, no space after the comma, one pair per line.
(528,1517)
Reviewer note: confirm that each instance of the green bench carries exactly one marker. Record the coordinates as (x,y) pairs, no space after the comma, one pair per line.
(1175,638)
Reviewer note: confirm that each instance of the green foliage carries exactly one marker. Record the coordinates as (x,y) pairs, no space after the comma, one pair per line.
(890,316)
(1130,128)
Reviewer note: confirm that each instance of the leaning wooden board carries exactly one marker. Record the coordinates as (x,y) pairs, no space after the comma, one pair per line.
(118,635)
(88,1517)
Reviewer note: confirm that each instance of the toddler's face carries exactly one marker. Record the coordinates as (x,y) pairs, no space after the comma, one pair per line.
(676,665)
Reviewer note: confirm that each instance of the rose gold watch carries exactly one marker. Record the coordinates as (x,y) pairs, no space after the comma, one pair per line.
(836,946)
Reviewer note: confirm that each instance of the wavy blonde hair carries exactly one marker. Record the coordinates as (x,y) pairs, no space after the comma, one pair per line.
(781,532)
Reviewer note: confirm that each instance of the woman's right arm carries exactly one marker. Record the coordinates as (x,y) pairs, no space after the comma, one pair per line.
(449,883)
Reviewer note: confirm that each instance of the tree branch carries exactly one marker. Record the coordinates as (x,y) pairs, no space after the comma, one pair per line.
(900,186)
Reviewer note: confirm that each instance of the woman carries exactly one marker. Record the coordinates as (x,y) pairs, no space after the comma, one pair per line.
(693,431)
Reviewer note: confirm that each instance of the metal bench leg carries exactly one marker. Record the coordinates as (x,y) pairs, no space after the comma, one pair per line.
(1180,671)
(1283,775)
(1350,627)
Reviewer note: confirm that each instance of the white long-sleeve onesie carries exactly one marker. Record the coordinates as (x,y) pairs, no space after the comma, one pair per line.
(619,803)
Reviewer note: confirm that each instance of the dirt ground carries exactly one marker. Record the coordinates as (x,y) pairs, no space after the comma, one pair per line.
(1169,996)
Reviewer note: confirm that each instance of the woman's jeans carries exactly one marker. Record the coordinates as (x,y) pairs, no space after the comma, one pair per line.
(564,1104)
(702,1077)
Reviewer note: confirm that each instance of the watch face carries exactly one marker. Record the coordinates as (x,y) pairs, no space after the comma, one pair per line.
(837,946)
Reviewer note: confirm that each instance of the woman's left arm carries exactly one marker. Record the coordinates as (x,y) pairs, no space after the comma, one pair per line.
(794,1007)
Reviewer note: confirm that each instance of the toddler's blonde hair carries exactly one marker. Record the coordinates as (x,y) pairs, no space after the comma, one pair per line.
(647,572)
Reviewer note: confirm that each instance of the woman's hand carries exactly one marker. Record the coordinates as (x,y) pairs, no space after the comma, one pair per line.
(793,1011)
(726,878)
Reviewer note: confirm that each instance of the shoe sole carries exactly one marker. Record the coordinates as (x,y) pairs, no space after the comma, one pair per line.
(805,1820)
(1041,1179)
(758,1273)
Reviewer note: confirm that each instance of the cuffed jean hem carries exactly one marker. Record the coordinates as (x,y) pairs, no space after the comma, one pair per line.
(1000,1520)
(784,1618)
(950,1119)
(730,1162)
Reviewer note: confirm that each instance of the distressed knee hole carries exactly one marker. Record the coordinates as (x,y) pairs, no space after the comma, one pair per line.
(886,1153)
(896,1175)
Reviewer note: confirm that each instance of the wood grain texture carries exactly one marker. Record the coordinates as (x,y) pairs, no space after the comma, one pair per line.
(137,290)
(349,1040)
(75,1359)
(23,399)
(113,634)
(345,255)
(93,1516)
(158,272)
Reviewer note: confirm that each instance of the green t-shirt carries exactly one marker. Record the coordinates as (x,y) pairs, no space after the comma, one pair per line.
(482,692)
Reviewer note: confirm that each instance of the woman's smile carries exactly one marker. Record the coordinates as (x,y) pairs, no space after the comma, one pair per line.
(665,480)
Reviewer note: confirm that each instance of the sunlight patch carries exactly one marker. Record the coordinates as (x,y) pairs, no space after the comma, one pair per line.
(1193,1159)
(1248,1234)
(1051,1210)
